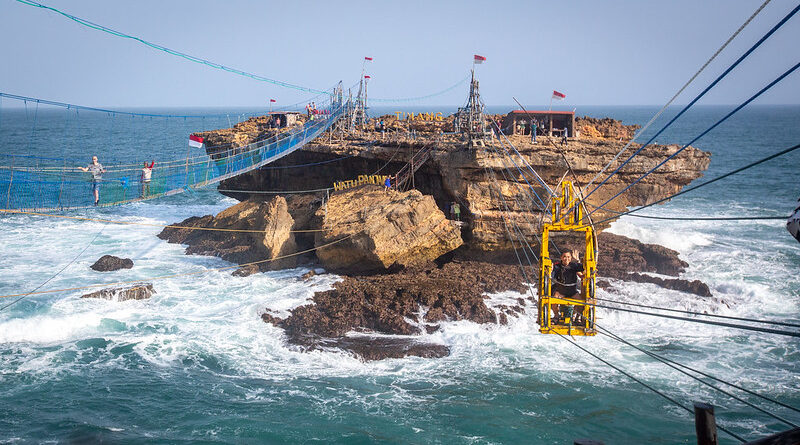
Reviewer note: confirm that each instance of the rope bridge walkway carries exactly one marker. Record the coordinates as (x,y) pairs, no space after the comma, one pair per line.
(30,185)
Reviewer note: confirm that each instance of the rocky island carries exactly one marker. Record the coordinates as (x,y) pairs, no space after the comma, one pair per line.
(408,261)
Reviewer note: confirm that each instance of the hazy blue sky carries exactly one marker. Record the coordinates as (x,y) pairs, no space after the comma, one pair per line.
(602,53)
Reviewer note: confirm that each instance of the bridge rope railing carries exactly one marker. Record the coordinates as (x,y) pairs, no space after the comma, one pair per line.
(60,187)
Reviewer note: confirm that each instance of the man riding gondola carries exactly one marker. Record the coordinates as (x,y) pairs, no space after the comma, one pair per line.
(565,285)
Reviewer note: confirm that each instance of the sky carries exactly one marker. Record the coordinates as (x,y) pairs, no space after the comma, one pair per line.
(614,52)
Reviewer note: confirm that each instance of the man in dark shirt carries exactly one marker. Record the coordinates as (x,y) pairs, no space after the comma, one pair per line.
(565,279)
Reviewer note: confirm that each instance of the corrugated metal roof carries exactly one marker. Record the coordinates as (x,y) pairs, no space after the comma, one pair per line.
(542,112)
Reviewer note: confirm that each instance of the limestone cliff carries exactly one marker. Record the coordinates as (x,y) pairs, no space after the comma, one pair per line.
(369,229)
(475,177)
(251,231)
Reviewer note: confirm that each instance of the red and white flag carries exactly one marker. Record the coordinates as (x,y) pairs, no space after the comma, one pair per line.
(368,58)
(195,141)
(558,96)
(367,77)
(272,100)
(479,59)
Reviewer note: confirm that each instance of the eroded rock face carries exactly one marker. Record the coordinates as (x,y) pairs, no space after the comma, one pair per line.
(475,177)
(268,238)
(620,255)
(108,263)
(135,292)
(593,128)
(369,229)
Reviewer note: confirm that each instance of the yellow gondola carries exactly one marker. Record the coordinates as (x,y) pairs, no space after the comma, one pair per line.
(566,216)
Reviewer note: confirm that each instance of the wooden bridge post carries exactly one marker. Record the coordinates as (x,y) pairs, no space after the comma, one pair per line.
(705,424)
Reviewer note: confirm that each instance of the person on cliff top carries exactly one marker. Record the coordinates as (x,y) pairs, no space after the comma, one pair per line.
(387,184)
(565,285)
(97,170)
(533,131)
(147,174)
(564,137)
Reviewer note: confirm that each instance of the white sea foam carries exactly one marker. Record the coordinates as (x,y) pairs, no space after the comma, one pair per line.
(212,321)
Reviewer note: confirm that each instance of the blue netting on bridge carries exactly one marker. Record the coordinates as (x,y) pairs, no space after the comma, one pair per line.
(40,185)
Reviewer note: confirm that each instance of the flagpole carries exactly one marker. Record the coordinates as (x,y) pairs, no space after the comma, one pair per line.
(550,108)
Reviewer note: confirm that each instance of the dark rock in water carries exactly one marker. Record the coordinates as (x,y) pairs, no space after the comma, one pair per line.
(383,303)
(246,271)
(379,348)
(136,292)
(603,284)
(620,255)
(307,276)
(108,263)
(696,287)
(268,318)
(386,303)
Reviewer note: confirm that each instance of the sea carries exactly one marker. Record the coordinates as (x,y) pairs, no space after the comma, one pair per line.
(195,363)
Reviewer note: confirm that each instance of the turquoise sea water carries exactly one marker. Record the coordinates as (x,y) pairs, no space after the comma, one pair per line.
(196,364)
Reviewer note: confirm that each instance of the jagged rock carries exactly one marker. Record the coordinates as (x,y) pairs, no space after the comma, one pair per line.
(270,236)
(108,263)
(379,348)
(385,303)
(246,271)
(307,276)
(368,229)
(696,287)
(135,292)
(621,255)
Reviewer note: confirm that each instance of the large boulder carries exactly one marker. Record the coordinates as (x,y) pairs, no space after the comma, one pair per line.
(264,234)
(139,291)
(369,229)
(108,263)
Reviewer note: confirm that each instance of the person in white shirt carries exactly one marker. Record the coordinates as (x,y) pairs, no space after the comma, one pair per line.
(147,174)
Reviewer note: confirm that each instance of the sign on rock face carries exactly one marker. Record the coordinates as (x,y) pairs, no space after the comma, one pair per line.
(362,179)
(431,117)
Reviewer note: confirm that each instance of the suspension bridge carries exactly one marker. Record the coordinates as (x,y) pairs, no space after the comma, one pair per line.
(36,184)
(33,183)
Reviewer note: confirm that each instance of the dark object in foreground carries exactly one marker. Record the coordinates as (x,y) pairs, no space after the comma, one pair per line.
(108,263)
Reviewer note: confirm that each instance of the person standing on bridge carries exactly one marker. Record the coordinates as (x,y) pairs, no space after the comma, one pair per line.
(97,171)
(147,173)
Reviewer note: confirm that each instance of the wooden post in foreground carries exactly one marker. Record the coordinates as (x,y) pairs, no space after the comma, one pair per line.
(705,424)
